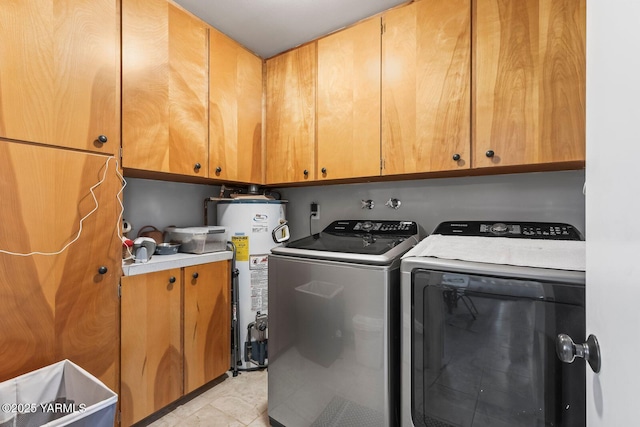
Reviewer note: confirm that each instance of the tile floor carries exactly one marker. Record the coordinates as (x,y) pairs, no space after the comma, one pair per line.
(233,402)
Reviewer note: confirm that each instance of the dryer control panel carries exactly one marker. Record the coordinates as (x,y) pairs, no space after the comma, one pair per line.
(523,230)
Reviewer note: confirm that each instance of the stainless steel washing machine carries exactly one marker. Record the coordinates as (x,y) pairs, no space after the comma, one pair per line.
(482,306)
(333,325)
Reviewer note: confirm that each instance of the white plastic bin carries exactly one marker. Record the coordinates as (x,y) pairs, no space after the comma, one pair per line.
(198,240)
(369,335)
(62,394)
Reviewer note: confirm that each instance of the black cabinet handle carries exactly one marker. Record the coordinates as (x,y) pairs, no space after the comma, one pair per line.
(456,157)
(305,172)
(195,275)
(324,170)
(218,169)
(103,270)
(172,279)
(197,166)
(490,153)
(102,138)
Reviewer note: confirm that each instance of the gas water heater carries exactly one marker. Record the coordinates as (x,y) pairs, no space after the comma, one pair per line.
(254,226)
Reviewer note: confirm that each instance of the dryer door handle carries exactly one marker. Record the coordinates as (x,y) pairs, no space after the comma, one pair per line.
(567,350)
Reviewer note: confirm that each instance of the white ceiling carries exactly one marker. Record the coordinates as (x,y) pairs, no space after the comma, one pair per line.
(268,27)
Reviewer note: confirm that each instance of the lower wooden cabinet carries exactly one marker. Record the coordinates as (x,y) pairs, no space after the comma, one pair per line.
(175,335)
(207,323)
(151,352)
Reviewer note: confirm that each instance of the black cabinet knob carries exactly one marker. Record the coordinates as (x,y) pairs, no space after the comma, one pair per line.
(324,170)
(218,169)
(102,138)
(490,153)
(456,157)
(102,269)
(197,166)
(172,279)
(305,172)
(195,275)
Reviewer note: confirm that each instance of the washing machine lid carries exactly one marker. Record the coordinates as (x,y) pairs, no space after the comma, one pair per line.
(360,241)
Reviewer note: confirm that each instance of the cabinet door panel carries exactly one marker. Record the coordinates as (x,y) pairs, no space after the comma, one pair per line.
(59,73)
(426,87)
(164,88)
(235,111)
(207,323)
(290,115)
(529,82)
(348,108)
(151,343)
(58,306)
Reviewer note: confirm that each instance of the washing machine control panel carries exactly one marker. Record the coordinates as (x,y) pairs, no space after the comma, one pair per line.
(396,228)
(523,230)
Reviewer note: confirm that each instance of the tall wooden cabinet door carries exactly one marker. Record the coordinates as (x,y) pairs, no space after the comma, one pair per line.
(59,73)
(291,116)
(426,77)
(235,111)
(207,323)
(151,343)
(348,107)
(529,82)
(58,273)
(164,89)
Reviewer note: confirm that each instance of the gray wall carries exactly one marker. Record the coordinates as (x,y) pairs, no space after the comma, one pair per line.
(162,203)
(544,196)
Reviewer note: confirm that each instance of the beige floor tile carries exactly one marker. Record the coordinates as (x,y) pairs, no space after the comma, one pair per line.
(209,416)
(169,420)
(261,421)
(237,407)
(233,402)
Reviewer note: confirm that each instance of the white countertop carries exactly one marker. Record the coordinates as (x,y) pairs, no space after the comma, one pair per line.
(166,262)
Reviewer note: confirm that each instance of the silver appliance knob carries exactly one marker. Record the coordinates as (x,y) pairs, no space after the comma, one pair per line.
(367,204)
(393,203)
(567,350)
(367,226)
(499,228)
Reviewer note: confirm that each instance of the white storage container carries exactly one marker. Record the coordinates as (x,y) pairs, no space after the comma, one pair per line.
(198,240)
(62,394)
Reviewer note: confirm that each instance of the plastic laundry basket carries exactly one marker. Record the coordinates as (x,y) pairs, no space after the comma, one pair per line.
(62,394)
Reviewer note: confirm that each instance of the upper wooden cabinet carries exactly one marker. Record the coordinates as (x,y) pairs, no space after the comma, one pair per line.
(291,116)
(348,103)
(59,73)
(207,323)
(426,87)
(164,88)
(529,80)
(235,111)
(59,281)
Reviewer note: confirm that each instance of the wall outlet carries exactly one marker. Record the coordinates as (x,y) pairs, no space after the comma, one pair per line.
(315,210)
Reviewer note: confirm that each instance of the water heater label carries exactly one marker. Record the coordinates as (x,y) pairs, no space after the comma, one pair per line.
(259,228)
(260,223)
(259,267)
(242,247)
